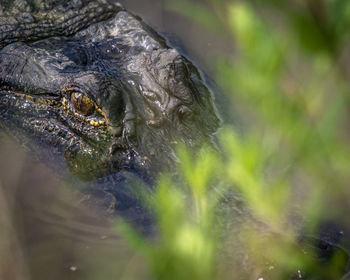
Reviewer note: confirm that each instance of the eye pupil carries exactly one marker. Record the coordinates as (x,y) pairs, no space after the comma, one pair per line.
(82,103)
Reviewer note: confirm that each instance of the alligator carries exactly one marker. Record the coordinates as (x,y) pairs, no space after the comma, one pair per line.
(89,82)
(92,83)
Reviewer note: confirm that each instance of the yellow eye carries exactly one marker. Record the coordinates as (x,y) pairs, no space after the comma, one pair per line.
(82,103)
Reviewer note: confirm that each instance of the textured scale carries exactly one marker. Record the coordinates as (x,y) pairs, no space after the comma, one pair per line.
(22,20)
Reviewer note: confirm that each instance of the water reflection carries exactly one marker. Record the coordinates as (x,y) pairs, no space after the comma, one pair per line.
(47,234)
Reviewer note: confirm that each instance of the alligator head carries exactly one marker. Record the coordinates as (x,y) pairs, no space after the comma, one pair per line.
(112,97)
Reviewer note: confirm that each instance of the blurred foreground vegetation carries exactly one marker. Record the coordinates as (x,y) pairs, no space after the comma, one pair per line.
(253,207)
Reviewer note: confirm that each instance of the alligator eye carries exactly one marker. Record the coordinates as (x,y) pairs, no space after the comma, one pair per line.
(82,103)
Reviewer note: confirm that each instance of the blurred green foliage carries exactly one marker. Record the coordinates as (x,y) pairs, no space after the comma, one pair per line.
(286,168)
(184,213)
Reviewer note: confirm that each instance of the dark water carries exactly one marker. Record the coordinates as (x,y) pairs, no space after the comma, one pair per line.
(45,233)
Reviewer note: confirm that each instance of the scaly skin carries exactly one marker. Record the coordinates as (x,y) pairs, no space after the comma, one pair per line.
(111,97)
(34,20)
